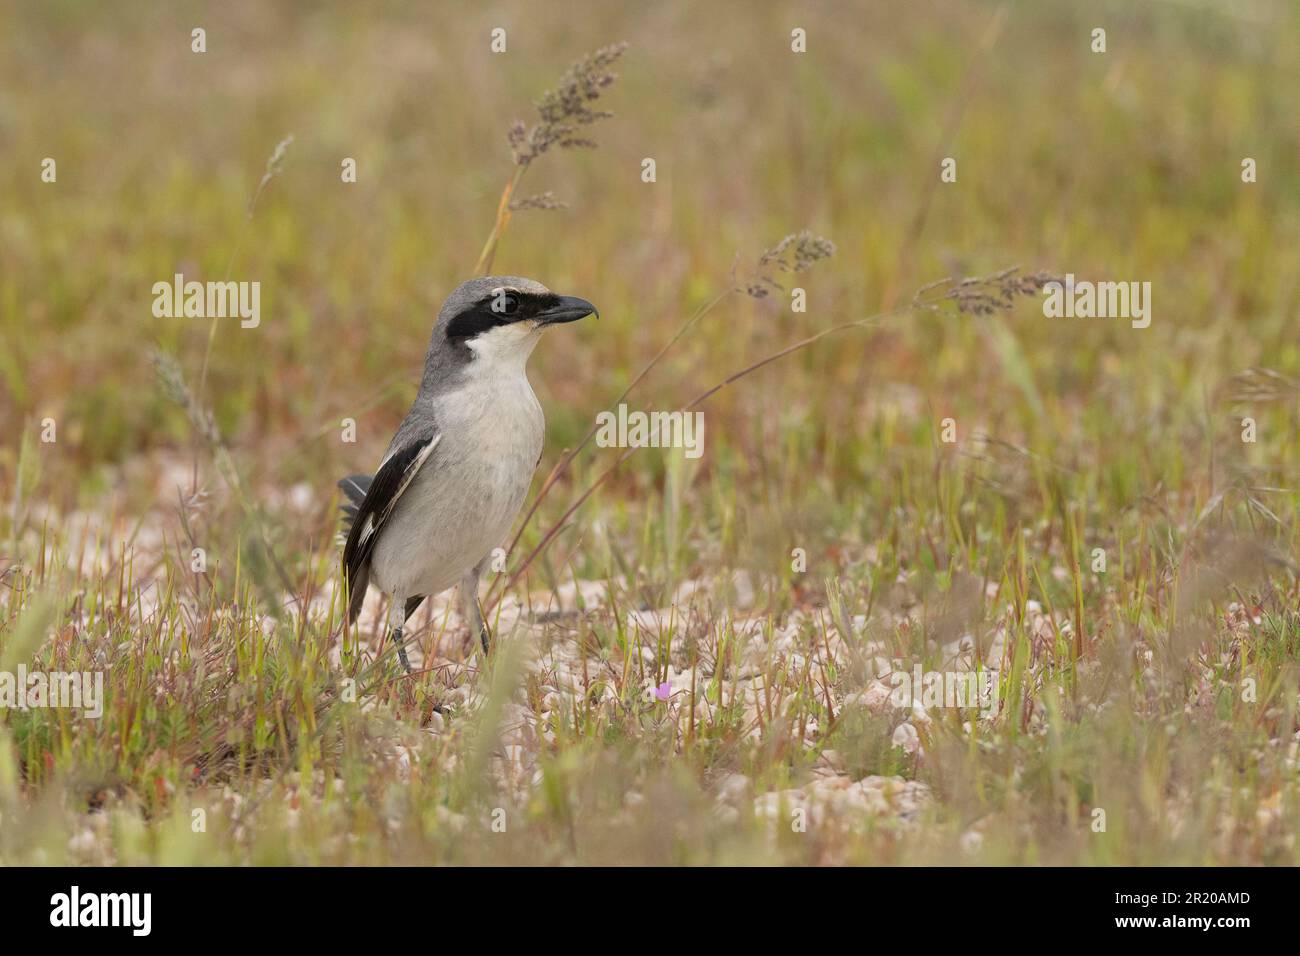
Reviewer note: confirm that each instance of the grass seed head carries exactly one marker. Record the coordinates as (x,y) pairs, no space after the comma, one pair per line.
(981,295)
(1257,384)
(795,253)
(563,110)
(171,379)
(546,200)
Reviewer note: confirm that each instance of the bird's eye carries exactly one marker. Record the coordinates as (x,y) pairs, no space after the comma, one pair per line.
(504,303)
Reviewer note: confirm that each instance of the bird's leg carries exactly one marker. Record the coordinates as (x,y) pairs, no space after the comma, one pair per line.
(397,618)
(470,606)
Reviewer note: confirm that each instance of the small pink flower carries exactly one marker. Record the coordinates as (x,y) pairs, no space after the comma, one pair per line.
(664,690)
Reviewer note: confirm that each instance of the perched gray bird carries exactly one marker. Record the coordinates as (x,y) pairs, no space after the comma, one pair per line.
(459,467)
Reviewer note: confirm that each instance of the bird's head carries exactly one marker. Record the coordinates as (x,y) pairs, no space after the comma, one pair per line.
(500,318)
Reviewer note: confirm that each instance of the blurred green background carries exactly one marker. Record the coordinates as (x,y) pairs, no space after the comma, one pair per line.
(1123,165)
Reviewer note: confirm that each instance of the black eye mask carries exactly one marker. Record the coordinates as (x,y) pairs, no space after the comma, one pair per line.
(509,308)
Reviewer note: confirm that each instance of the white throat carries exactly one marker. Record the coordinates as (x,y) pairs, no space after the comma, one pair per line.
(505,349)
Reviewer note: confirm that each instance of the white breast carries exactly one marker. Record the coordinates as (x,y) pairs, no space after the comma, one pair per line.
(465,499)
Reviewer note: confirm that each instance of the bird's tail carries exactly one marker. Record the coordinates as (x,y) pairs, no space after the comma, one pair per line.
(354,488)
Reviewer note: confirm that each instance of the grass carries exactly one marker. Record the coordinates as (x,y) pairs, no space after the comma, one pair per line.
(694,669)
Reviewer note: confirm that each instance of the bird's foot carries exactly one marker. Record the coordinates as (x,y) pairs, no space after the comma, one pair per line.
(401,649)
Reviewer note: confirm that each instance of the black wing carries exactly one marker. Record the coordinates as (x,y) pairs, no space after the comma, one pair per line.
(355,488)
(393,478)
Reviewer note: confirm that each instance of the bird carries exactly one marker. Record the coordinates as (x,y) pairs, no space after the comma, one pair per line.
(460,465)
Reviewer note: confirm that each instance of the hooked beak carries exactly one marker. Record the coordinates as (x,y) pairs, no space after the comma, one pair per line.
(568,308)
